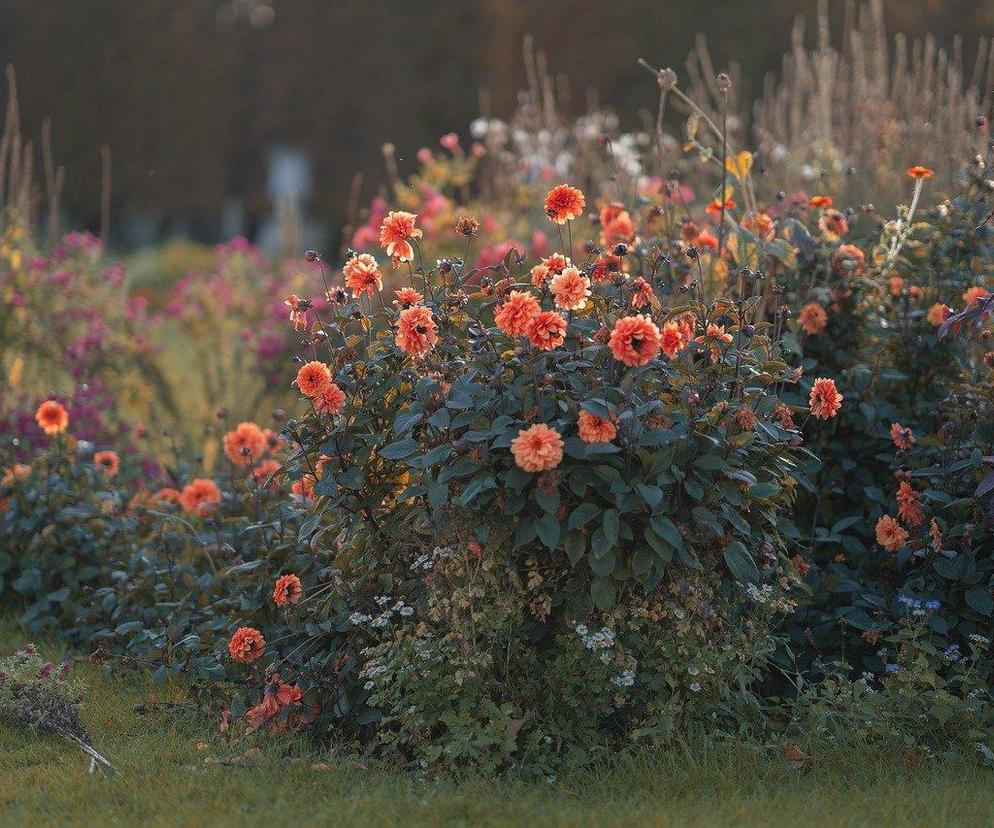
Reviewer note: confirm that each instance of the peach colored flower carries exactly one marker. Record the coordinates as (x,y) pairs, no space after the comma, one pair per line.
(570,289)
(812,318)
(289,695)
(642,293)
(909,505)
(396,232)
(975,294)
(564,203)
(848,258)
(594,429)
(247,645)
(784,416)
(895,285)
(938,313)
(716,333)
(616,225)
(834,222)
(538,448)
(298,311)
(362,275)
(541,276)
(605,267)
(746,418)
(903,437)
(760,225)
(287,590)
(515,316)
(821,201)
(303,489)
(313,378)
(407,297)
(329,401)
(672,339)
(266,469)
(245,444)
(557,263)
(417,332)
(825,399)
(108,462)
(890,534)
(52,417)
(200,496)
(547,331)
(920,172)
(634,340)
(261,713)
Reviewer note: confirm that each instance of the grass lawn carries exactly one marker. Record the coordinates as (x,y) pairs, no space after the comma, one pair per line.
(163,779)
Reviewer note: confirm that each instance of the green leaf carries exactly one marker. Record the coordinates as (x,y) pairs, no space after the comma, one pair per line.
(740,562)
(603,591)
(666,529)
(582,514)
(399,450)
(980,599)
(548,530)
(610,527)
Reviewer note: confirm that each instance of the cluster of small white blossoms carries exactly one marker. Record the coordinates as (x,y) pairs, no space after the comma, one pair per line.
(626,678)
(427,561)
(371,672)
(765,595)
(980,640)
(694,671)
(601,641)
(382,620)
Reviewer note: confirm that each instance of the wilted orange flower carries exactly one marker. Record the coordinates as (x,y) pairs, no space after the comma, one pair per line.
(247,645)
(537,448)
(304,488)
(706,240)
(746,418)
(313,378)
(564,203)
(52,417)
(890,534)
(570,289)
(266,469)
(396,232)
(672,339)
(848,258)
(417,332)
(825,399)
(909,505)
(199,495)
(265,710)
(938,313)
(714,210)
(975,294)
(716,333)
(594,429)
(634,340)
(642,293)
(244,444)
(547,331)
(902,437)
(834,222)
(895,285)
(516,314)
(616,225)
(289,694)
(330,401)
(821,201)
(920,172)
(935,535)
(812,318)
(760,225)
(287,590)
(362,275)
(108,462)
(167,494)
(298,311)
(406,297)
(784,416)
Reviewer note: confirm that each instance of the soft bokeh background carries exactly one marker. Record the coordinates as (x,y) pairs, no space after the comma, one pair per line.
(203,102)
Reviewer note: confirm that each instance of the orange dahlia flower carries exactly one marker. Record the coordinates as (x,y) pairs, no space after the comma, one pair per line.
(825,399)
(362,275)
(298,311)
(903,437)
(538,448)
(199,496)
(247,645)
(909,505)
(245,444)
(417,332)
(547,331)
(890,534)
(406,297)
(515,316)
(396,232)
(313,378)
(746,418)
(848,258)
(616,225)
(821,201)
(642,293)
(287,590)
(266,469)
(634,340)
(329,401)
(938,313)
(52,417)
(594,429)
(564,203)
(975,294)
(541,276)
(570,289)
(834,222)
(920,172)
(812,318)
(108,462)
(672,339)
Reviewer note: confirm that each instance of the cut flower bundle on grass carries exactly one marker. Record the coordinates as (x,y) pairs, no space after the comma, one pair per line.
(37,693)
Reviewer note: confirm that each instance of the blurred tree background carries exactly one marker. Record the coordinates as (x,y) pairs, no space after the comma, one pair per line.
(191,95)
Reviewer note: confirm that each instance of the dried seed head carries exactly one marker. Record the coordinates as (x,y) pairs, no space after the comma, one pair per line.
(666,78)
(724,82)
